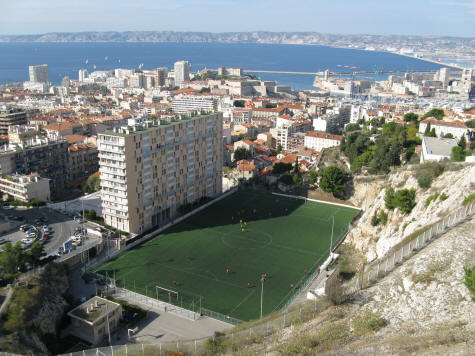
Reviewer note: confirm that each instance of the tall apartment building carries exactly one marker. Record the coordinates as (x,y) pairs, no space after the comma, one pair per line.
(10,116)
(185,103)
(30,152)
(182,72)
(152,167)
(160,76)
(39,74)
(83,74)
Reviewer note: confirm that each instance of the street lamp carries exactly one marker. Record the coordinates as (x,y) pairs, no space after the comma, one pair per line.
(263,278)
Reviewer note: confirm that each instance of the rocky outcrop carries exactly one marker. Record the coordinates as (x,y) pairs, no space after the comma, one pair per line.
(376,241)
(35,312)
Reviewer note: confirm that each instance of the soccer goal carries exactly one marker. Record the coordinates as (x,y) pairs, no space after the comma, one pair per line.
(166,294)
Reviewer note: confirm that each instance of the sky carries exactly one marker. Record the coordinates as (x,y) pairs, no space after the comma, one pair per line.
(406,17)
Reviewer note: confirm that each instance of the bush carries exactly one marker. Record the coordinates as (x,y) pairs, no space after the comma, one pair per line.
(367,322)
(375,220)
(333,180)
(404,199)
(469,199)
(431,198)
(469,280)
(425,180)
(383,217)
(286,179)
(458,154)
(443,197)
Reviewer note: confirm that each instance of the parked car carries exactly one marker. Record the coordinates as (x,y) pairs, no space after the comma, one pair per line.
(25,227)
(7,207)
(3,241)
(26,240)
(29,231)
(45,237)
(60,250)
(31,235)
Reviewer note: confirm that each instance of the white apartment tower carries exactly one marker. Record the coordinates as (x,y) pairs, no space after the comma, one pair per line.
(39,74)
(182,72)
(83,75)
(152,168)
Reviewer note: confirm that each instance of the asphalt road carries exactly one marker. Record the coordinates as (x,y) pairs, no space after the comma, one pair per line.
(61,226)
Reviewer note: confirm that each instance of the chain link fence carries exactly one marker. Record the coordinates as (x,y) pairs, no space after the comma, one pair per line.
(233,339)
(397,255)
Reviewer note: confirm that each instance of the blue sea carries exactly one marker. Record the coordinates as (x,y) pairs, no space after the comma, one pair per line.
(65,59)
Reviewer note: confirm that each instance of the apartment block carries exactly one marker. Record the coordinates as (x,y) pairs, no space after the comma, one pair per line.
(185,103)
(320,140)
(30,152)
(152,167)
(39,74)
(25,187)
(10,116)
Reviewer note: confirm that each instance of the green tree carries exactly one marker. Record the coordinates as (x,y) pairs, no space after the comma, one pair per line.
(35,254)
(405,200)
(93,184)
(296,165)
(458,154)
(241,153)
(313,176)
(462,143)
(352,127)
(286,179)
(427,130)
(281,167)
(411,117)
(333,180)
(239,103)
(437,113)
(389,198)
(205,90)
(424,180)
(279,148)
(448,135)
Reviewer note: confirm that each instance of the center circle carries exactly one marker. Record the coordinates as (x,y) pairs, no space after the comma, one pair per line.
(247,239)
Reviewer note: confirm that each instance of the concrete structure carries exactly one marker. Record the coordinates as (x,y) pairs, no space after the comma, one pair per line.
(39,74)
(182,72)
(94,320)
(320,140)
(150,169)
(25,187)
(437,149)
(238,72)
(10,116)
(191,102)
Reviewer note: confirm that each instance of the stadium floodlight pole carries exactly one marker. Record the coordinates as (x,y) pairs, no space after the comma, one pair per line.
(331,238)
(262,291)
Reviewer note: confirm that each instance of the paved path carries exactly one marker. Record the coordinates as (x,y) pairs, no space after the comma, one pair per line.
(160,326)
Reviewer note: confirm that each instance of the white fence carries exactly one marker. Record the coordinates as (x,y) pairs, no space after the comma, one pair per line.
(393,258)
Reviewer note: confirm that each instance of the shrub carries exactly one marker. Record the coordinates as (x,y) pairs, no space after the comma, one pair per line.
(333,180)
(431,198)
(469,280)
(367,322)
(469,199)
(425,180)
(443,197)
(458,154)
(404,199)
(383,217)
(375,220)
(331,334)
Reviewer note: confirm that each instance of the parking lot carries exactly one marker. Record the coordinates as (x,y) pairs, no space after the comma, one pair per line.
(60,227)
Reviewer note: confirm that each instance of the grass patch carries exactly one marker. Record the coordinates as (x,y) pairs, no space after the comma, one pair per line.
(469,199)
(367,322)
(221,252)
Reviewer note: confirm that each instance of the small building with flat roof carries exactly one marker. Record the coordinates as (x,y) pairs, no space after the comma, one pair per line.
(437,149)
(94,319)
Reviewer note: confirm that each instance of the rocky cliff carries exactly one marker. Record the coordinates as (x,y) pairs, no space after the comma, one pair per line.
(376,241)
(35,312)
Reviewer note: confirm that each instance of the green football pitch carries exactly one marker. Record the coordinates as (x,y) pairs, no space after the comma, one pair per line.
(221,252)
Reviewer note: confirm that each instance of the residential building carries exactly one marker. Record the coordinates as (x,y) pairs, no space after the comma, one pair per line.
(456,128)
(437,149)
(83,75)
(320,140)
(11,116)
(39,74)
(84,160)
(30,152)
(182,72)
(25,187)
(95,319)
(191,102)
(151,168)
